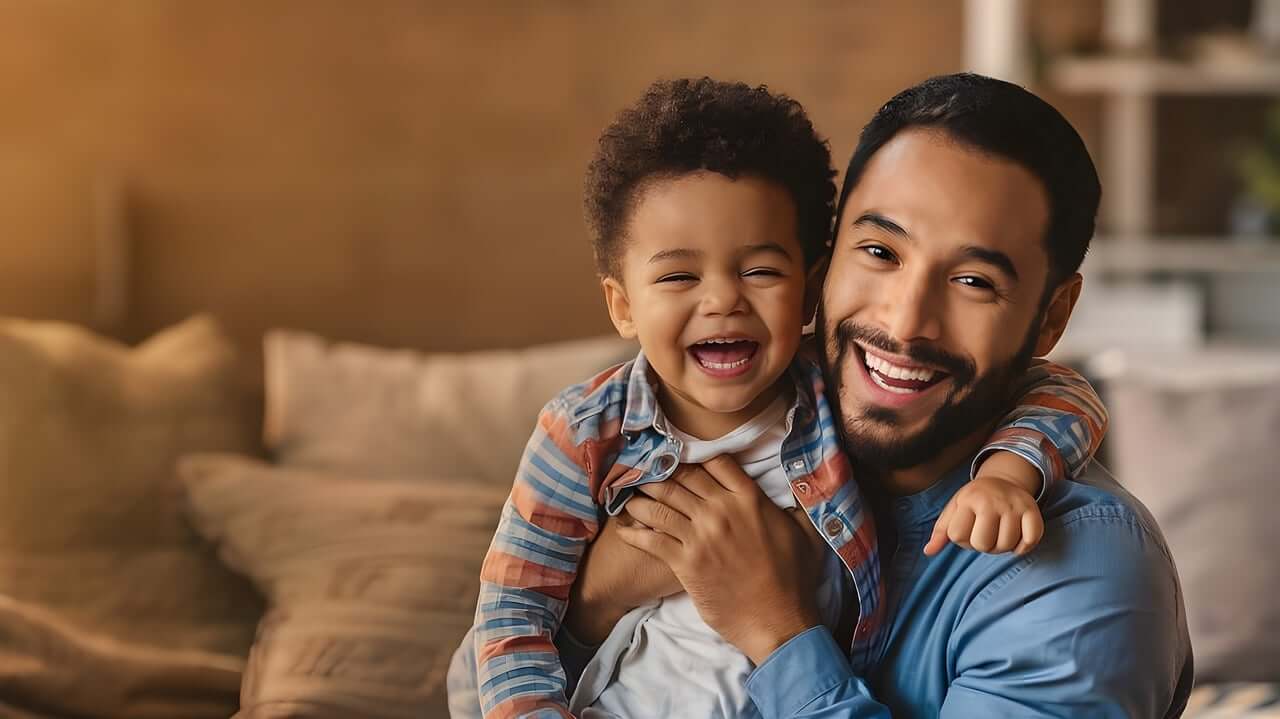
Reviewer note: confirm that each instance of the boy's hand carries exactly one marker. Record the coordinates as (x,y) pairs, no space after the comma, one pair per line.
(996,512)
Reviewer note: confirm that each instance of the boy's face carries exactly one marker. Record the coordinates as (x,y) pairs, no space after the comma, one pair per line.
(713,285)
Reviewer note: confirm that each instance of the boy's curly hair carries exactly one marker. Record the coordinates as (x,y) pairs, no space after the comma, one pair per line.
(682,126)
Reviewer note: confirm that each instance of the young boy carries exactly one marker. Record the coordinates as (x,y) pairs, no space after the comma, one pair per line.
(710,205)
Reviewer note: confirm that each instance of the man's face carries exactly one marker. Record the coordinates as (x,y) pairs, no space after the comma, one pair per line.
(932,302)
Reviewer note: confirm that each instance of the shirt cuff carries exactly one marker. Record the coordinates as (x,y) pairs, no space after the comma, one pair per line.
(809,665)
(1037,460)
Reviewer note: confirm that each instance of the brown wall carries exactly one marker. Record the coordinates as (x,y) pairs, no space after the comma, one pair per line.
(393,171)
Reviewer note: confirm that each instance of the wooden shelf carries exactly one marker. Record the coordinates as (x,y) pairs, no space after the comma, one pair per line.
(1187,255)
(1149,76)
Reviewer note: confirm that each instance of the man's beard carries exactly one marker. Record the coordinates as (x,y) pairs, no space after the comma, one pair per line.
(973,403)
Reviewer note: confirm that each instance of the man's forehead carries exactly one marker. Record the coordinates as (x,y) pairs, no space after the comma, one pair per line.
(941,192)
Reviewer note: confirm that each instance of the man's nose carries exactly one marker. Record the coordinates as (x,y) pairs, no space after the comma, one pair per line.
(722,296)
(912,308)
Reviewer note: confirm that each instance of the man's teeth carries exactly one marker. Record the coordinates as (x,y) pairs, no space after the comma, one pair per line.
(893,371)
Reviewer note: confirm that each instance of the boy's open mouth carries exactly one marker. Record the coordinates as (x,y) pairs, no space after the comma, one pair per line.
(900,379)
(724,355)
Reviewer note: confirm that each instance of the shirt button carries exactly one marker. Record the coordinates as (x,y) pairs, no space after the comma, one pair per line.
(802,487)
(834,527)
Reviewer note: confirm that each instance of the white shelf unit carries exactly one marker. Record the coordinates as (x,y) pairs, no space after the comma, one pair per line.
(1147,76)
(1183,255)
(1129,78)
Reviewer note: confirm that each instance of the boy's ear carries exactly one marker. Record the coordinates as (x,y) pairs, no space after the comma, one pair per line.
(1057,313)
(615,298)
(813,287)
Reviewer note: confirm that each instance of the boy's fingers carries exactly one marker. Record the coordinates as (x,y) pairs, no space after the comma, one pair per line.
(960,526)
(1010,533)
(938,539)
(1032,531)
(986,530)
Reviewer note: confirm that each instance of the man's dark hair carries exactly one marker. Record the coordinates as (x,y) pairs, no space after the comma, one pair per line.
(1004,120)
(683,126)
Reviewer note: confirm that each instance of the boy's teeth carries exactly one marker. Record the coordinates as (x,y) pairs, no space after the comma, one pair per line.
(893,371)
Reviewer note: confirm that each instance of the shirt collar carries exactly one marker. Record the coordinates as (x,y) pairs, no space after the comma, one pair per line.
(642,397)
(925,506)
(642,410)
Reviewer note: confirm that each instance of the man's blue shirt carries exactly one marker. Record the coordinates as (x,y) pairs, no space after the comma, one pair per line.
(1091,623)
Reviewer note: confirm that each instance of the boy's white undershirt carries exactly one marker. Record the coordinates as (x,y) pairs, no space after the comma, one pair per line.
(662,660)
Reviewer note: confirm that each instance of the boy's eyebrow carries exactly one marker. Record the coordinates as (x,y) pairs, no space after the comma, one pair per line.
(768,247)
(686,254)
(877,220)
(681,253)
(995,258)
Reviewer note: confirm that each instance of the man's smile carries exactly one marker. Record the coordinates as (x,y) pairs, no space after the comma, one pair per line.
(895,381)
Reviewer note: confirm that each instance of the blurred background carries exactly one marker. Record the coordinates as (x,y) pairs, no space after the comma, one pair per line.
(409,172)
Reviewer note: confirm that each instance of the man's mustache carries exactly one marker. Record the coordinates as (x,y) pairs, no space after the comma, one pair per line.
(961,370)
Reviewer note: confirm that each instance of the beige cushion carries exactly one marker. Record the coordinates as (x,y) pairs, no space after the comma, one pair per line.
(383,412)
(1196,439)
(372,583)
(49,668)
(90,520)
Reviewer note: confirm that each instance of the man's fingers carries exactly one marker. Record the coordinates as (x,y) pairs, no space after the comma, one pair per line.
(655,543)
(695,479)
(658,516)
(724,470)
(674,495)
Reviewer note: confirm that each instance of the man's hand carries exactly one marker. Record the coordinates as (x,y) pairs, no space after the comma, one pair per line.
(996,512)
(750,568)
(613,579)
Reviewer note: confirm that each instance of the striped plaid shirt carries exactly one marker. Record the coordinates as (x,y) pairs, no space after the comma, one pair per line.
(596,441)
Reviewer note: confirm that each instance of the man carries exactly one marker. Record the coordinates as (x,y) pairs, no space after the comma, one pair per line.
(967,209)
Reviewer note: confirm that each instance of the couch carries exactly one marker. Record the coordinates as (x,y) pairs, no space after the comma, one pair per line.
(185,536)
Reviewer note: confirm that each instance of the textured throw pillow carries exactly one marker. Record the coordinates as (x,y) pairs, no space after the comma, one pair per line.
(91,526)
(1199,445)
(372,583)
(50,669)
(395,413)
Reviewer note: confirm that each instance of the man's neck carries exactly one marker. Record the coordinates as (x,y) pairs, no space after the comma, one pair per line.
(912,480)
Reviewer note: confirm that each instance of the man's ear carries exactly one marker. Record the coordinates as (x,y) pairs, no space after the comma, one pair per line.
(615,298)
(1057,313)
(813,287)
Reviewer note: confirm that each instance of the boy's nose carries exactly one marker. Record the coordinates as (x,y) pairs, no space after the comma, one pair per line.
(722,298)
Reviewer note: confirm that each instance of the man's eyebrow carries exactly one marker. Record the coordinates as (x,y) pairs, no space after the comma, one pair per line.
(995,258)
(884,223)
(676,254)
